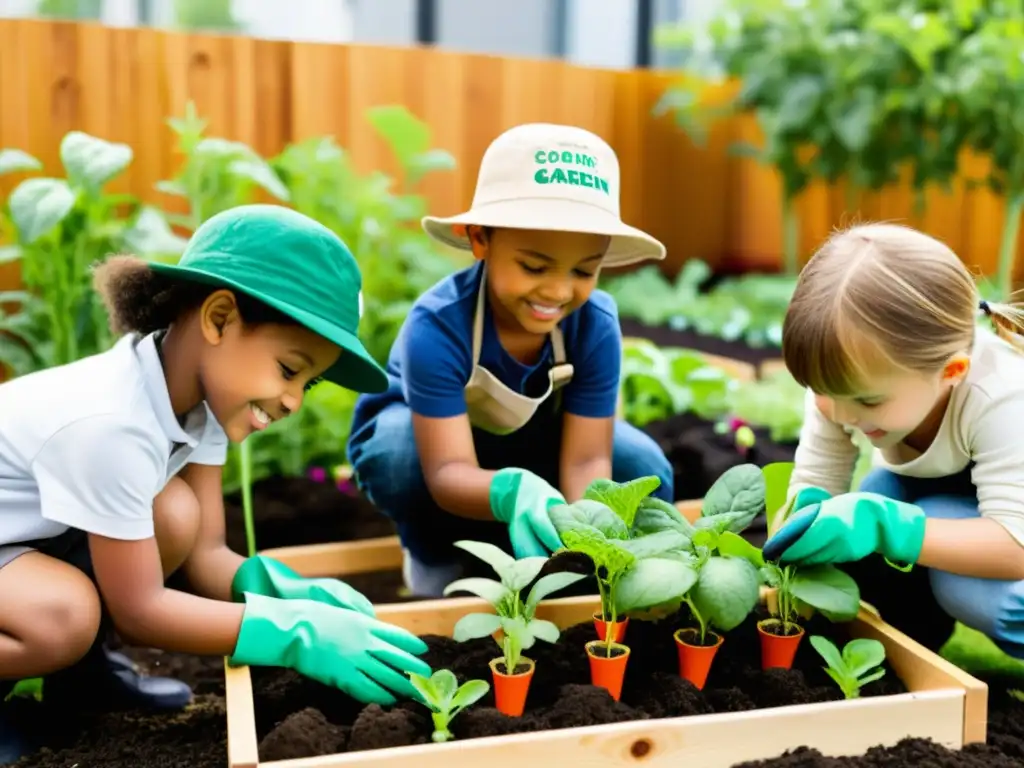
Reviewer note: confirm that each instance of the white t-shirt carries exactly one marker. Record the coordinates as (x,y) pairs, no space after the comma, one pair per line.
(984,424)
(89,445)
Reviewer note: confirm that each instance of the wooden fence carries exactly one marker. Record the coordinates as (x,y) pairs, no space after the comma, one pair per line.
(123,84)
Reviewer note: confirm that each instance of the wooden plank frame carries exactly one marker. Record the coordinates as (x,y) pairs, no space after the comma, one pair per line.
(944,703)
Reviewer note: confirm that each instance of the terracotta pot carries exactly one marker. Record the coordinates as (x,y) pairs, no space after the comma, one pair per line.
(778,650)
(510,690)
(619,628)
(606,671)
(695,659)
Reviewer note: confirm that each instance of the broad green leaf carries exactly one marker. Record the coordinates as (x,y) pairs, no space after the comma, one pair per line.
(517,632)
(445,684)
(739,493)
(90,161)
(654,544)
(653,582)
(469,693)
(491,591)
(542,629)
(878,674)
(523,571)
(603,553)
(829,590)
(38,206)
(16,161)
(588,513)
(497,558)
(425,687)
(428,162)
(260,173)
(862,654)
(776,486)
(547,585)
(622,498)
(407,135)
(726,591)
(656,515)
(474,625)
(828,651)
(733,544)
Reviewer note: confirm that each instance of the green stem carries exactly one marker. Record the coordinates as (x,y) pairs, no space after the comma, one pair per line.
(700,620)
(790,237)
(1008,243)
(245,469)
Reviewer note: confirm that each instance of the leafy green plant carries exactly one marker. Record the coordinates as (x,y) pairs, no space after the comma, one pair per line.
(513,615)
(854,89)
(858,664)
(658,383)
(774,403)
(445,698)
(635,570)
(57,228)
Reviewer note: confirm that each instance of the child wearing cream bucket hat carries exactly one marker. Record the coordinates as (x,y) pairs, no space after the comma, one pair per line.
(504,376)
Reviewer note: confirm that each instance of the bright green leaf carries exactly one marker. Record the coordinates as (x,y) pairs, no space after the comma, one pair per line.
(16,161)
(90,161)
(474,625)
(38,206)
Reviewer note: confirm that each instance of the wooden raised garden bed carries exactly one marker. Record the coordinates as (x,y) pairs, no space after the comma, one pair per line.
(942,703)
(744,708)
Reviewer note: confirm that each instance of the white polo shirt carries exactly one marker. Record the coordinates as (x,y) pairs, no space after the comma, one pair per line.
(983,425)
(89,445)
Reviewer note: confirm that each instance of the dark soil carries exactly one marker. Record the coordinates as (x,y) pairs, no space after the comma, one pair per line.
(665,336)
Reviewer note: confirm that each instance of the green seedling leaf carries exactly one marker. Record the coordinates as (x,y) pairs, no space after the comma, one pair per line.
(475,625)
(829,590)
(740,493)
(90,161)
(491,591)
(602,552)
(17,161)
(445,685)
(38,205)
(495,557)
(470,693)
(622,498)
(654,545)
(548,585)
(828,651)
(862,654)
(542,629)
(443,696)
(726,591)
(776,481)
(522,572)
(653,582)
(734,545)
(588,513)
(656,515)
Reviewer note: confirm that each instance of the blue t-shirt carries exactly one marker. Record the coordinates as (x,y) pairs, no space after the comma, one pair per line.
(431,360)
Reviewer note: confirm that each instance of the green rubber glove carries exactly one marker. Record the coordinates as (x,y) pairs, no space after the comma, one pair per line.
(846,528)
(363,656)
(265,576)
(522,500)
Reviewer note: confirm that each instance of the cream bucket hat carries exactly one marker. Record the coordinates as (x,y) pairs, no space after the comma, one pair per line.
(557,177)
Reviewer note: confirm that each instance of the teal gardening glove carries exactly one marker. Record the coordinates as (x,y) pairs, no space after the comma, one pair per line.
(522,500)
(265,576)
(363,656)
(846,528)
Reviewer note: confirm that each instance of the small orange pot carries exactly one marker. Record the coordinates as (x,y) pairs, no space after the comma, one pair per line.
(778,650)
(510,690)
(619,628)
(694,659)
(608,672)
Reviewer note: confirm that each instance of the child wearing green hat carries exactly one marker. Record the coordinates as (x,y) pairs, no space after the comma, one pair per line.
(504,377)
(110,475)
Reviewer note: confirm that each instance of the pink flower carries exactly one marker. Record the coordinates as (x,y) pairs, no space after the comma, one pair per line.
(317,474)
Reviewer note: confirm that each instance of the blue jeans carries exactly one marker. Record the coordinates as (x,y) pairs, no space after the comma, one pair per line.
(388,471)
(992,606)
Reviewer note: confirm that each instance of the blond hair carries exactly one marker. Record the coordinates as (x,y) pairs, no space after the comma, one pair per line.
(884,295)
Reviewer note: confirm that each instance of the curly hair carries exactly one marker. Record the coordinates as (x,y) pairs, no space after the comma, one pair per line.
(142,301)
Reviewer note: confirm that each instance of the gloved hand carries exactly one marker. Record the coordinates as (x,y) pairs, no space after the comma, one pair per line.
(363,656)
(265,576)
(849,527)
(522,500)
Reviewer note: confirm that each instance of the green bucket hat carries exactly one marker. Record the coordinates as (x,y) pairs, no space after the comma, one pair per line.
(293,264)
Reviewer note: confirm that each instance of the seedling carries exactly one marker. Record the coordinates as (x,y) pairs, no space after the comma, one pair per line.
(445,698)
(512,615)
(858,664)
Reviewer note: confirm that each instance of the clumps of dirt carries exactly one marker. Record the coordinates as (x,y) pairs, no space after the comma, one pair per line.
(306,731)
